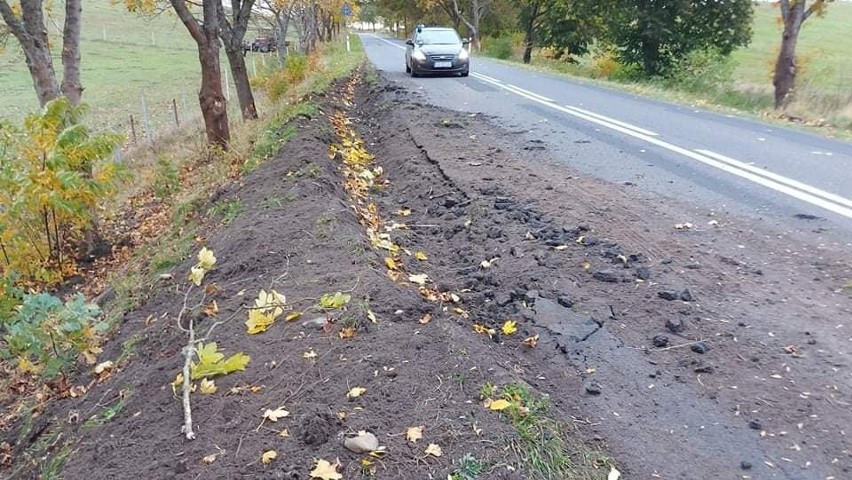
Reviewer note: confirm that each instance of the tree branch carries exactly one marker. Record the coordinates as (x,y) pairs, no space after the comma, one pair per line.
(13,22)
(189,21)
(816,6)
(785,9)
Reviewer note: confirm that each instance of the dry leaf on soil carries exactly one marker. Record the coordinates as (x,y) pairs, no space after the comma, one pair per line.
(347,332)
(499,405)
(209,459)
(420,256)
(208,387)
(274,415)
(324,470)
(310,355)
(103,366)
(356,392)
(434,450)
(293,316)
(371,315)
(268,456)
(419,279)
(426,318)
(414,433)
(531,341)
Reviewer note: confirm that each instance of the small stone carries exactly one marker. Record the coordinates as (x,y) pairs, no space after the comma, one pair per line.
(700,347)
(565,301)
(660,341)
(755,424)
(745,465)
(675,325)
(503,299)
(531,295)
(704,368)
(363,443)
(668,295)
(686,295)
(607,276)
(643,273)
(592,387)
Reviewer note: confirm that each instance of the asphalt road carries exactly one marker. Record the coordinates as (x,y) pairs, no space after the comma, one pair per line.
(725,164)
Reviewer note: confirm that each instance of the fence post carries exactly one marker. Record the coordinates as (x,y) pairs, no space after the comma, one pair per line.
(174,109)
(133,129)
(149,135)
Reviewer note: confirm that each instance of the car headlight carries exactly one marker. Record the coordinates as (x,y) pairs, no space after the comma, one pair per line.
(418,55)
(463,55)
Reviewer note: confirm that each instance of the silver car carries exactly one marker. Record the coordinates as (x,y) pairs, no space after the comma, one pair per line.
(433,50)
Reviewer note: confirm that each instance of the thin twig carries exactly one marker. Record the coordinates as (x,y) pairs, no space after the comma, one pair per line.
(187,353)
(677,346)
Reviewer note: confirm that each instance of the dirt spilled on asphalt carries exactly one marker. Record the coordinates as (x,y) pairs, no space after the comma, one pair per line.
(715,350)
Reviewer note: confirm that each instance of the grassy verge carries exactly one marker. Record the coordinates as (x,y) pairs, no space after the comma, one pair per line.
(545,445)
(740,84)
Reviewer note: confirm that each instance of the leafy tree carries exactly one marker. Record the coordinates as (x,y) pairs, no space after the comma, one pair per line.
(655,33)
(793,15)
(568,26)
(25,21)
(49,190)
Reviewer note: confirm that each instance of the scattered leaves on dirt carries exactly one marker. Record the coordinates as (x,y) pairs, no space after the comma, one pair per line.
(208,387)
(274,415)
(498,405)
(324,470)
(268,456)
(414,433)
(356,392)
(434,450)
(211,362)
(509,327)
(332,301)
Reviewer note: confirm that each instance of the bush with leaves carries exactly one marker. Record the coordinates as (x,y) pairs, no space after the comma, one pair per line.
(46,336)
(53,174)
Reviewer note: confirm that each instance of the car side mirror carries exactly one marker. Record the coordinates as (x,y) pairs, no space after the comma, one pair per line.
(409,42)
(465,42)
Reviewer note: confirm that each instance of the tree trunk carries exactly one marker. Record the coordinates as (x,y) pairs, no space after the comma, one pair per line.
(784,78)
(529,31)
(241,80)
(72,88)
(210,97)
(31,33)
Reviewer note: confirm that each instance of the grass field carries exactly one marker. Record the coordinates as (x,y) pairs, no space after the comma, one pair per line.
(123,55)
(823,49)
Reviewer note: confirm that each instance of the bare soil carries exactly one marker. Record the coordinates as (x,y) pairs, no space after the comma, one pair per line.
(714,351)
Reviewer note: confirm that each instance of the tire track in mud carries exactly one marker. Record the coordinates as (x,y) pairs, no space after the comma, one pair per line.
(578,290)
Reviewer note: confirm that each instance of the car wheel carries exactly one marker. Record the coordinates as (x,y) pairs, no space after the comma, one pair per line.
(465,73)
(407,68)
(414,72)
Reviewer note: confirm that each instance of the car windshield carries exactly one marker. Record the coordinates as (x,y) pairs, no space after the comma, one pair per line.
(439,37)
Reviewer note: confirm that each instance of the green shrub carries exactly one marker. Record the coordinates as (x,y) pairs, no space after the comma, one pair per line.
(702,71)
(46,335)
(166,180)
(500,47)
(296,67)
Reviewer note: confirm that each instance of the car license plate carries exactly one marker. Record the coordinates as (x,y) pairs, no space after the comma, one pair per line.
(443,64)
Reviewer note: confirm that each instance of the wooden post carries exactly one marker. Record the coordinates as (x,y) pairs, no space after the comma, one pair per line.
(174,109)
(133,129)
(149,135)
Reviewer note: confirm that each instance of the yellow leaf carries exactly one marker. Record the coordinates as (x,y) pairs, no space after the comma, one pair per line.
(26,366)
(90,357)
(212,310)
(531,341)
(391,263)
(326,471)
(212,362)
(420,256)
(274,415)
(347,332)
(434,450)
(419,279)
(500,404)
(372,316)
(206,259)
(208,387)
(196,275)
(483,329)
(356,392)
(464,314)
(310,355)
(268,456)
(426,318)
(284,433)
(414,433)
(293,316)
(509,327)
(334,300)
(258,321)
(403,212)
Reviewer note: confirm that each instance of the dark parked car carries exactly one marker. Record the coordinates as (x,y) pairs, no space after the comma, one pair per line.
(436,50)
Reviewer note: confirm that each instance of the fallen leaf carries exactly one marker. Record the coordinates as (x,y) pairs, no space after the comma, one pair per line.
(464,314)
(356,392)
(581,239)
(488,263)
(614,474)
(208,387)
(391,263)
(268,456)
(420,256)
(483,329)
(211,310)
(212,289)
(499,405)
(209,459)
(414,433)
(274,415)
(334,300)
(293,316)
(341,416)
(586,265)
(103,366)
(426,318)
(326,471)
(434,450)
(196,275)
(90,357)
(403,212)
(419,279)
(310,355)
(284,433)
(509,327)
(372,316)
(347,332)
(206,259)
(529,236)
(531,341)
(560,247)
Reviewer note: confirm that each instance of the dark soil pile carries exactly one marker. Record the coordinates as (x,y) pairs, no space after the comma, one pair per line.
(680,352)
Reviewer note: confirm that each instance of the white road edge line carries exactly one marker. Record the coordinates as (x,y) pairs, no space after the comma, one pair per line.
(778,178)
(612,120)
(829,201)
(540,97)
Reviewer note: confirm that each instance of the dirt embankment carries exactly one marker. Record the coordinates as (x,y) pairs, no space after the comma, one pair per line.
(717,350)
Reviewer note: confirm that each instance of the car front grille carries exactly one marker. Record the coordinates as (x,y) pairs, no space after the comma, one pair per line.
(441,58)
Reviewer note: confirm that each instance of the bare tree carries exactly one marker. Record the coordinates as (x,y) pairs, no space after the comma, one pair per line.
(206,35)
(473,17)
(793,15)
(233,32)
